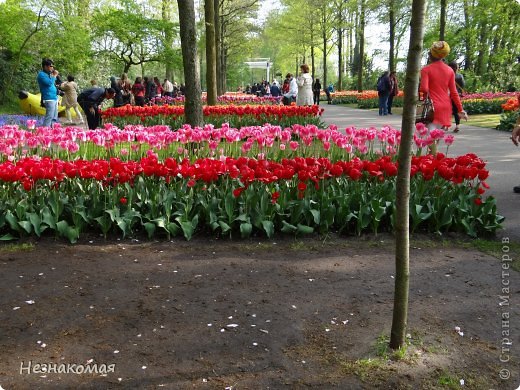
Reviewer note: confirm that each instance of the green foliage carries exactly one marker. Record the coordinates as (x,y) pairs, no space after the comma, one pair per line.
(508,120)
(157,208)
(484,106)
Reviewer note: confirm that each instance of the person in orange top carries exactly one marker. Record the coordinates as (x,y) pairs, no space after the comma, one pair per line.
(438,80)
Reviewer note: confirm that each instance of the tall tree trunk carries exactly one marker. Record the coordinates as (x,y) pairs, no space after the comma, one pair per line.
(391,38)
(168,38)
(218,45)
(402,229)
(193,102)
(224,67)
(351,55)
(324,37)
(442,27)
(211,53)
(312,58)
(340,59)
(480,67)
(468,62)
(361,37)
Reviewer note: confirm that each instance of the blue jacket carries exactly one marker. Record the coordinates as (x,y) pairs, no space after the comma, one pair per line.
(47,86)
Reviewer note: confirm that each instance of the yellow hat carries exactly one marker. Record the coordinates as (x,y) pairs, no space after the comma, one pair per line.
(440,49)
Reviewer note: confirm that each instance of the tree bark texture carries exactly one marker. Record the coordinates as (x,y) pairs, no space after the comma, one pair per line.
(402,229)
(193,102)
(211,53)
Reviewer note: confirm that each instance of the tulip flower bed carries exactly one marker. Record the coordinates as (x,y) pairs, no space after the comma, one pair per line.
(235,116)
(225,181)
(242,196)
(477,103)
(264,142)
(510,115)
(236,99)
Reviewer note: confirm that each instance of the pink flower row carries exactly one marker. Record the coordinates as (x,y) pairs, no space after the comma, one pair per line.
(14,140)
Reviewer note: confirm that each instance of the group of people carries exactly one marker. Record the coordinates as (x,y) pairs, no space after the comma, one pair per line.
(89,100)
(387,88)
(301,90)
(142,92)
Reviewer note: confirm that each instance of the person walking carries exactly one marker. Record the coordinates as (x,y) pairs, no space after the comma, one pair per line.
(316,90)
(70,99)
(459,84)
(394,90)
(49,93)
(304,82)
(90,100)
(438,82)
(383,91)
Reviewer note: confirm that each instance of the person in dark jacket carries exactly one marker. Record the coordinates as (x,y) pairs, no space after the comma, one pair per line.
(316,90)
(383,91)
(90,100)
(460,84)
(394,91)
(150,89)
(275,89)
(116,86)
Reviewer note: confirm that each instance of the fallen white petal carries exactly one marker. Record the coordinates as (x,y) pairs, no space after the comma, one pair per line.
(15,308)
(461,333)
(43,345)
(327,330)
(255,344)
(116,351)
(462,382)
(210,324)
(457,329)
(231,325)
(30,302)
(222,330)
(293,306)
(143,367)
(345,322)
(265,331)
(90,361)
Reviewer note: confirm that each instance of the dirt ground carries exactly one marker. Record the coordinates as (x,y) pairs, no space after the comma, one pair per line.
(281,314)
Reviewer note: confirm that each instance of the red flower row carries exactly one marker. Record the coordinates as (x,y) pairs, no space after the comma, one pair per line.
(176,111)
(247,170)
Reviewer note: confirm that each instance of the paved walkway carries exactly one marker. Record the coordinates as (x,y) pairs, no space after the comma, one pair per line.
(495,147)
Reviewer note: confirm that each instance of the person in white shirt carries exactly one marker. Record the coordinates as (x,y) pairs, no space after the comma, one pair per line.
(305,97)
(168,88)
(290,96)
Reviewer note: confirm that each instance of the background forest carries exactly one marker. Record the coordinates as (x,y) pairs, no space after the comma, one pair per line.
(98,39)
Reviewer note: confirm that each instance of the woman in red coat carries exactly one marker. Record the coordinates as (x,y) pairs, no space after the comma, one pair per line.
(438,80)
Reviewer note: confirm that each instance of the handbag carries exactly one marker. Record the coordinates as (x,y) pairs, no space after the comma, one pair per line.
(424,111)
